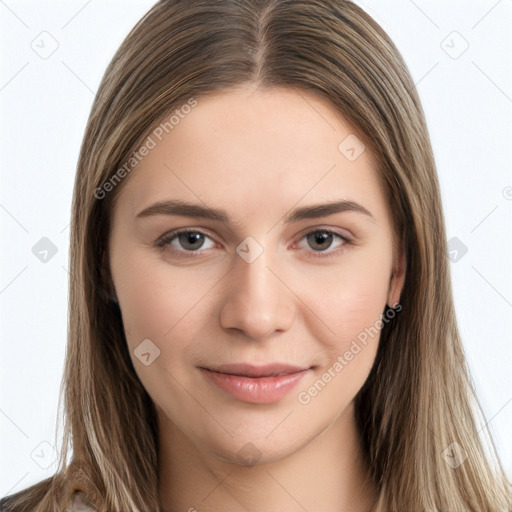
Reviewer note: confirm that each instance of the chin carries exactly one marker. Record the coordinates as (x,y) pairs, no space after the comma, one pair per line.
(256,446)
(250,454)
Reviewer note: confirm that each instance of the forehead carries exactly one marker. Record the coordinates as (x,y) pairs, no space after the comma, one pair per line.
(257,151)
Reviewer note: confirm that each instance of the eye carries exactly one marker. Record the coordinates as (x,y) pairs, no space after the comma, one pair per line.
(192,240)
(185,240)
(322,239)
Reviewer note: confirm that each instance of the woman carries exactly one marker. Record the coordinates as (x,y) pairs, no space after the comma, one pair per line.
(261,315)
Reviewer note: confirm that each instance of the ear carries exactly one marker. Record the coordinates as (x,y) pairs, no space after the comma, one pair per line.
(397,280)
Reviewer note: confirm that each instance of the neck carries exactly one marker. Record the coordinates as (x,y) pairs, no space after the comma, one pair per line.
(326,474)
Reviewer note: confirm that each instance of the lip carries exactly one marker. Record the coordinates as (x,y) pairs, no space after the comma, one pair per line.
(255,384)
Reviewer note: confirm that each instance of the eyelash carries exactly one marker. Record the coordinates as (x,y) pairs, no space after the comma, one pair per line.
(166,240)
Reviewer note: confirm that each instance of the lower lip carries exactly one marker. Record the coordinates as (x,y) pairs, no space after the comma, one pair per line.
(256,390)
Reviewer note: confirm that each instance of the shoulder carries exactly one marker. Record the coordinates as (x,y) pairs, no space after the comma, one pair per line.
(56,493)
(79,503)
(26,499)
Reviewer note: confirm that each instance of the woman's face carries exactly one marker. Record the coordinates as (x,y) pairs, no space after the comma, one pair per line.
(253,333)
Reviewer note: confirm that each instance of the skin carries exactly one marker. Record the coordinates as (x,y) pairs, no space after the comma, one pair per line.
(257,155)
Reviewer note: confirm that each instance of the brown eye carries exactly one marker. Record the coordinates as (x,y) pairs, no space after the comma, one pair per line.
(185,241)
(320,240)
(192,240)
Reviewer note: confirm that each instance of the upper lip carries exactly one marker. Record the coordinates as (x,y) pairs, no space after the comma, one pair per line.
(249,370)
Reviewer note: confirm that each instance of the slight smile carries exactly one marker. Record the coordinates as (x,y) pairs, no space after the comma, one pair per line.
(255,384)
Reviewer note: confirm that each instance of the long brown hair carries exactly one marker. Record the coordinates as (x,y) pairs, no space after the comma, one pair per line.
(418,401)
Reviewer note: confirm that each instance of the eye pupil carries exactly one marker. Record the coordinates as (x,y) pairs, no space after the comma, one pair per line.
(320,237)
(192,238)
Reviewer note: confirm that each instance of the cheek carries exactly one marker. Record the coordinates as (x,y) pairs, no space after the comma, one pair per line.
(351,306)
(160,302)
(350,297)
(169,306)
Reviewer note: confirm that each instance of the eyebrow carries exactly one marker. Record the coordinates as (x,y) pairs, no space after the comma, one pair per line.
(199,211)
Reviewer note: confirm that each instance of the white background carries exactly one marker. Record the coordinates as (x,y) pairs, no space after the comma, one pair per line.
(44,104)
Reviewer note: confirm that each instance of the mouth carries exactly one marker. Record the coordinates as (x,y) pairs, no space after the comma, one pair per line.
(255,384)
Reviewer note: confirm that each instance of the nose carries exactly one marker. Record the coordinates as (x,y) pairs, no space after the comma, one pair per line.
(257,300)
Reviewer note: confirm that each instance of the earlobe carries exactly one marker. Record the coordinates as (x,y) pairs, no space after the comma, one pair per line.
(397,280)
